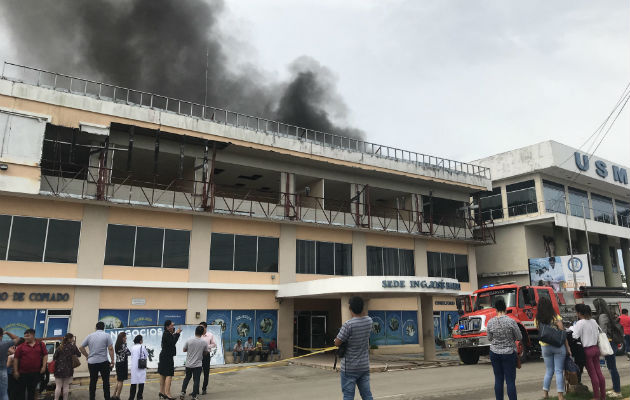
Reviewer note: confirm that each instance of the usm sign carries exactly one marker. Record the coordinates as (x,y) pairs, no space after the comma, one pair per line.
(582,162)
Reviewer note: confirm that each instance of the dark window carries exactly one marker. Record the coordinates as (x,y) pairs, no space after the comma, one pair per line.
(602,209)
(343,259)
(374,261)
(554,197)
(222,251)
(305,257)
(596,254)
(62,244)
(27,239)
(461,268)
(443,211)
(325,258)
(5,228)
(176,248)
(521,198)
(448,265)
(623,213)
(119,245)
(406,263)
(245,251)
(434,264)
(578,203)
(149,244)
(391,265)
(491,205)
(521,298)
(268,254)
(614,258)
(543,293)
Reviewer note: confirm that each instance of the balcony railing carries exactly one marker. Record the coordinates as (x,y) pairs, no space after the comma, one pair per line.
(114,93)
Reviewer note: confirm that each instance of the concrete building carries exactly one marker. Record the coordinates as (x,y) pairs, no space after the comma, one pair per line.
(134,208)
(533,187)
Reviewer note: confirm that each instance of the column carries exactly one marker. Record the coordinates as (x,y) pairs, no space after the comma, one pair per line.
(561,240)
(625,255)
(420,258)
(87,302)
(472,267)
(359,254)
(345,308)
(609,276)
(504,202)
(357,206)
(286,254)
(425,328)
(287,190)
(286,316)
(198,268)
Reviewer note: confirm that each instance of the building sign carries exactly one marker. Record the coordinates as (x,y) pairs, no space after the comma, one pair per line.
(557,272)
(582,162)
(424,284)
(46,297)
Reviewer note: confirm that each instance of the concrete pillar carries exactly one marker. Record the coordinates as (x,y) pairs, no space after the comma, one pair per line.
(345,308)
(287,190)
(609,277)
(472,267)
(314,196)
(286,255)
(504,202)
(561,240)
(425,330)
(198,268)
(87,302)
(420,257)
(625,255)
(540,197)
(285,327)
(358,203)
(92,242)
(359,254)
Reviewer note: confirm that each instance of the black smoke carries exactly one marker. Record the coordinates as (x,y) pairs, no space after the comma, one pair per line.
(160,46)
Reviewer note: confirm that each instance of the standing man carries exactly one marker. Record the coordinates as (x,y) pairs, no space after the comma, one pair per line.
(207,337)
(29,363)
(355,364)
(624,320)
(99,343)
(195,349)
(4,354)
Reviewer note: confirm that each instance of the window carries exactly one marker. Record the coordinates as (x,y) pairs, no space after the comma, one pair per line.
(27,240)
(623,215)
(146,247)
(230,252)
(596,257)
(491,205)
(578,203)
(5,228)
(602,209)
(554,197)
(62,243)
(446,265)
(543,293)
(383,261)
(324,258)
(521,198)
(443,211)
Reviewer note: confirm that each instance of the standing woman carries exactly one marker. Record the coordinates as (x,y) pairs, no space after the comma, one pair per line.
(64,368)
(138,375)
(554,356)
(587,330)
(122,365)
(503,334)
(605,320)
(166,365)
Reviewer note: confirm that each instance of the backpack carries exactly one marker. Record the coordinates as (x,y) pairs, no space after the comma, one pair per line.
(616,331)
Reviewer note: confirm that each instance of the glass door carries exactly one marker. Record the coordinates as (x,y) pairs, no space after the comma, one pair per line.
(57,326)
(318,331)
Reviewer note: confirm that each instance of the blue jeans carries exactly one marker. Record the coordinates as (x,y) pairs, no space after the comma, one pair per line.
(611,363)
(4,384)
(350,380)
(554,363)
(504,367)
(626,339)
(238,355)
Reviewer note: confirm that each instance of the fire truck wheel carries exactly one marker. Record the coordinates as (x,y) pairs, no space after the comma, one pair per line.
(469,356)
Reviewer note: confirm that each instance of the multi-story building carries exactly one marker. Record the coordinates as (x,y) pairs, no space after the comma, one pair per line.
(539,191)
(134,208)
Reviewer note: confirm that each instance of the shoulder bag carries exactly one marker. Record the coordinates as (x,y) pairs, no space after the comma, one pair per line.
(551,335)
(142,361)
(605,349)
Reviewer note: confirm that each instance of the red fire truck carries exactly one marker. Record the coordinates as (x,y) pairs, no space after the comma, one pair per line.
(470,336)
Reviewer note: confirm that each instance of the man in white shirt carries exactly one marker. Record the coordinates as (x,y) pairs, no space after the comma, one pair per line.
(207,337)
(195,348)
(99,343)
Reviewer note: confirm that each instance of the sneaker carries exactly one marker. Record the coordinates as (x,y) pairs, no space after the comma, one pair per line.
(182,395)
(613,395)
(203,392)
(194,397)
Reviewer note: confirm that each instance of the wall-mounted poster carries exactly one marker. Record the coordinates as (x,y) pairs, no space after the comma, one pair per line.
(143,318)
(114,319)
(449,320)
(242,325)
(377,336)
(177,316)
(558,272)
(267,324)
(394,327)
(410,327)
(16,321)
(437,331)
(223,319)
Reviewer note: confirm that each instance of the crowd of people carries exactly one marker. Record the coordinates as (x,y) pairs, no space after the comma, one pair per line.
(572,349)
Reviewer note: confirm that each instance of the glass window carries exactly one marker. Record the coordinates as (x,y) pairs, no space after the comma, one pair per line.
(491,205)
(374,261)
(5,227)
(245,251)
(623,214)
(27,239)
(305,256)
(602,209)
(554,197)
(521,198)
(543,293)
(119,245)
(433,262)
(343,259)
(176,248)
(325,258)
(406,263)
(443,211)
(222,251)
(448,265)
(578,202)
(461,267)
(614,259)
(268,254)
(62,245)
(390,262)
(149,245)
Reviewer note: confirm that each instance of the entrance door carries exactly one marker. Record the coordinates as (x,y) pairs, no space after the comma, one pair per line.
(56,326)
(318,331)
(303,330)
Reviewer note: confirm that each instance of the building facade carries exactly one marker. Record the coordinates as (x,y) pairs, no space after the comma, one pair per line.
(541,190)
(133,208)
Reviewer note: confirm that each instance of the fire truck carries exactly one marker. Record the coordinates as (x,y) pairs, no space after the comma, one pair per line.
(470,335)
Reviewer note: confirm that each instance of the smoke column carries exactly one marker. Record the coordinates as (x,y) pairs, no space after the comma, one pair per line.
(160,46)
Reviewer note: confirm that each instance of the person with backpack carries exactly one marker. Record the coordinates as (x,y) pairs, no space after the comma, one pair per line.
(29,364)
(64,366)
(608,324)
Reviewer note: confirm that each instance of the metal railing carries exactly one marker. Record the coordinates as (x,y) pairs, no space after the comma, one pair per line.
(104,91)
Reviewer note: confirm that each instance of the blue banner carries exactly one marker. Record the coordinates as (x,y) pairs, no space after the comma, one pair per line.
(267,325)
(16,321)
(449,320)
(143,318)
(177,316)
(223,319)
(242,325)
(40,323)
(394,327)
(114,319)
(410,327)
(377,336)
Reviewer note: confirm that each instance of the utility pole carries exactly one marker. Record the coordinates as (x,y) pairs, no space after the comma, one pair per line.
(588,245)
(566,205)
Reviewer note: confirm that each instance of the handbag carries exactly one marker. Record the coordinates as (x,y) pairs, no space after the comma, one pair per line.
(142,361)
(605,349)
(75,361)
(551,335)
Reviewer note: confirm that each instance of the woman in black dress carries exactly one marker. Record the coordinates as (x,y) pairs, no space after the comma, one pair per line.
(122,366)
(166,365)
